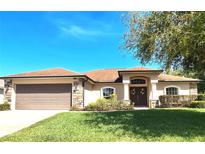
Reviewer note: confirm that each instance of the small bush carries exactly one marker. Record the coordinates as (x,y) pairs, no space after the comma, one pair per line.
(197,104)
(177,100)
(201,97)
(110,104)
(5,106)
(100,105)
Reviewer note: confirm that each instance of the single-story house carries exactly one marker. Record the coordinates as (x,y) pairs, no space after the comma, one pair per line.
(59,88)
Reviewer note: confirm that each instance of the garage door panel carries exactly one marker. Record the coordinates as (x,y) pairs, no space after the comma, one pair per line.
(43,96)
(43,88)
(41,106)
(32,96)
(40,99)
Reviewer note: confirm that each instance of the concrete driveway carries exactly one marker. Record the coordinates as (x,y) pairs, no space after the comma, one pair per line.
(12,121)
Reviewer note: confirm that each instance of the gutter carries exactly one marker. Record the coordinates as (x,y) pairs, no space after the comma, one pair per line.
(182,81)
(140,71)
(71,76)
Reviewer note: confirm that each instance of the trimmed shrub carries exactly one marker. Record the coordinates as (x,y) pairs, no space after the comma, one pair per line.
(176,100)
(197,104)
(4,107)
(100,105)
(201,97)
(110,104)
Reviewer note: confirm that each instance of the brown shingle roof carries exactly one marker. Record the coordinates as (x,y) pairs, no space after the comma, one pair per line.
(166,77)
(112,75)
(49,72)
(104,75)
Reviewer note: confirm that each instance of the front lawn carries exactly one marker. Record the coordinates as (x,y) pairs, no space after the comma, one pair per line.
(141,125)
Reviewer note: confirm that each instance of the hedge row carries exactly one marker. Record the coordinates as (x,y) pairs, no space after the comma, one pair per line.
(182,100)
(198,104)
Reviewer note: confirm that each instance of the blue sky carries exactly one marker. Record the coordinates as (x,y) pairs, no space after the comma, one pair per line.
(80,41)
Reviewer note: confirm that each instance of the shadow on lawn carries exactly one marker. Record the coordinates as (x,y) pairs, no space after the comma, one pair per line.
(149,124)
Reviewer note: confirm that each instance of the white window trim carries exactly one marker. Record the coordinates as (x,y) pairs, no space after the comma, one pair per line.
(174,86)
(101,93)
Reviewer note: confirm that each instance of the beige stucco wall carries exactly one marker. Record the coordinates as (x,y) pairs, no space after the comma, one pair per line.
(152,80)
(193,89)
(93,92)
(184,88)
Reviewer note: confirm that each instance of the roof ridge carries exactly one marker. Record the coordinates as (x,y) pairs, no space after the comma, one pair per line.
(143,67)
(103,69)
(128,68)
(177,76)
(44,70)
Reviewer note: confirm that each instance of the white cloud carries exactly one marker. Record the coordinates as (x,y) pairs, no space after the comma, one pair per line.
(78,31)
(83,25)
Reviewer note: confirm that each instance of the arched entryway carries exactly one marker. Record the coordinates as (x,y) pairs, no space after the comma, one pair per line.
(139,91)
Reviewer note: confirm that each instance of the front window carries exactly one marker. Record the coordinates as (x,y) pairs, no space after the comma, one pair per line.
(138,81)
(107,92)
(172,91)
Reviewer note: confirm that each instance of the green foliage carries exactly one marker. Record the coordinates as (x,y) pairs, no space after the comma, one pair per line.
(164,125)
(194,101)
(174,39)
(201,97)
(198,104)
(100,105)
(5,106)
(112,103)
(76,108)
(176,100)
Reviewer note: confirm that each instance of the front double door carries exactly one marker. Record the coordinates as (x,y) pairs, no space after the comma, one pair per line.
(138,96)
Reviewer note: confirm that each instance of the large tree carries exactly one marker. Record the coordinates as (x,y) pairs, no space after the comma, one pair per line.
(174,39)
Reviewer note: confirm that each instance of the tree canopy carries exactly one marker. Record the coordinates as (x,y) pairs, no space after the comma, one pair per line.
(173,39)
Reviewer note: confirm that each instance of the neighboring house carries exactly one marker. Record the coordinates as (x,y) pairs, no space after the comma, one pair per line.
(60,89)
(1,91)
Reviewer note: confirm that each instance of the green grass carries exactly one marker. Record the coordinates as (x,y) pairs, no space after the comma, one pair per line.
(141,125)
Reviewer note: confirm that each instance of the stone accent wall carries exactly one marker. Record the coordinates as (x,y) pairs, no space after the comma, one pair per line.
(8,89)
(78,94)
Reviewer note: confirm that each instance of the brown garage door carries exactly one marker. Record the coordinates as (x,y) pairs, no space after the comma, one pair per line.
(43,96)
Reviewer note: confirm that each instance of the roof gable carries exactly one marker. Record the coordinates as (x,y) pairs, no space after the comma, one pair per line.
(112,75)
(166,77)
(47,73)
(104,75)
